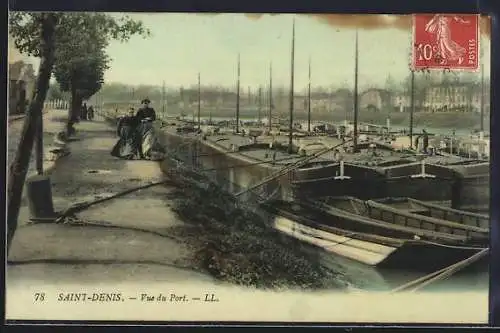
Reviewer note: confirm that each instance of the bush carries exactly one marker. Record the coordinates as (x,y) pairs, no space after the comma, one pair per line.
(237,244)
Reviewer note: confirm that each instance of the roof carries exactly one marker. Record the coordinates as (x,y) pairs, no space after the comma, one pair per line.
(20,70)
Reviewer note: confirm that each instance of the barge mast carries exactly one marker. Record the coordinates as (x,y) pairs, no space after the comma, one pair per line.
(238,98)
(260,105)
(309,100)
(292,69)
(355,139)
(412,105)
(199,101)
(482,100)
(270,96)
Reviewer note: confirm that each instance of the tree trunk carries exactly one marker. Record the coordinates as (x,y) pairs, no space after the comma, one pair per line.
(74,111)
(20,164)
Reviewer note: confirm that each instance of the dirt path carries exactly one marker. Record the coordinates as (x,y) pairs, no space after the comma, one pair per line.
(55,253)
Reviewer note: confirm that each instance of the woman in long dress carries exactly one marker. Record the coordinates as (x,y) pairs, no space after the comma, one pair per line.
(127,145)
(447,48)
(148,144)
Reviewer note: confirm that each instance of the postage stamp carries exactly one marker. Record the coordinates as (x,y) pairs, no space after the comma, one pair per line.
(445,41)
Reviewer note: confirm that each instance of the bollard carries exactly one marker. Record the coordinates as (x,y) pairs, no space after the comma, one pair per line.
(39,191)
(342,176)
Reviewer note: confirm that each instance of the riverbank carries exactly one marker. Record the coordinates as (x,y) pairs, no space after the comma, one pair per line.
(451,120)
(234,244)
(237,245)
(443,120)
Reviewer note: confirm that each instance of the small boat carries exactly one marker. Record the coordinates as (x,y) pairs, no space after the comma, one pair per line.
(431,228)
(433,210)
(344,226)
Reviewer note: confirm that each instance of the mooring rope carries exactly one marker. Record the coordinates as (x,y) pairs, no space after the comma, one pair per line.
(441,274)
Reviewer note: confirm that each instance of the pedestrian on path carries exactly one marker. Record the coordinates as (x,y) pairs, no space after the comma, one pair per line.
(127,145)
(146,137)
(90,113)
(83,112)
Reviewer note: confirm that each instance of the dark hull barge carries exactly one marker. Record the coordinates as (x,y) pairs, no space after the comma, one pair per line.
(237,163)
(345,226)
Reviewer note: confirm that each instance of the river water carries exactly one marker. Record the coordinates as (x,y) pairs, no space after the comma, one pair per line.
(417,129)
(364,277)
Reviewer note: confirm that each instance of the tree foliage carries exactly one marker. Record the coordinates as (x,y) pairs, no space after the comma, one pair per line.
(80,43)
(25,28)
(55,92)
(81,63)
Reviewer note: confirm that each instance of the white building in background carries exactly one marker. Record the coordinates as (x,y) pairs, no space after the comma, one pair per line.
(455,97)
(401,102)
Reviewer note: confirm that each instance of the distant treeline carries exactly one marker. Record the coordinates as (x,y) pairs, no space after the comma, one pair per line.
(213,94)
(452,120)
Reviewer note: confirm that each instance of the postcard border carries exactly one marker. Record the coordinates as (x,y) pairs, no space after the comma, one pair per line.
(353,6)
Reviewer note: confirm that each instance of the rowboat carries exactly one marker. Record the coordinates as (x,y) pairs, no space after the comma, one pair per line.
(345,227)
(433,210)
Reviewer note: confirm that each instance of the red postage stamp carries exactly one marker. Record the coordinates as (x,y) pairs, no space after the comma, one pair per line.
(445,41)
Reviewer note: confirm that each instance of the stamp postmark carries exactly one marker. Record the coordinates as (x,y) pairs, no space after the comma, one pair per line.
(445,41)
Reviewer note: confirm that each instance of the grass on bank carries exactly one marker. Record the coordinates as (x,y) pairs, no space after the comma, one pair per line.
(237,245)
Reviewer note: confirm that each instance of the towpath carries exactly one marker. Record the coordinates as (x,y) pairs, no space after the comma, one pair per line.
(53,123)
(52,253)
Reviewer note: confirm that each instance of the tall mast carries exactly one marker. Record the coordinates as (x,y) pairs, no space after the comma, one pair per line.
(356,94)
(412,105)
(199,101)
(309,99)
(163,99)
(292,70)
(482,98)
(270,96)
(238,98)
(181,96)
(260,103)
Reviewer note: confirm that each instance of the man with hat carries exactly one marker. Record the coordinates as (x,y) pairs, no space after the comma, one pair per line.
(144,116)
(146,111)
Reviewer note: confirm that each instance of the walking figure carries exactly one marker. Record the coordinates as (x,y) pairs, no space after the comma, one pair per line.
(90,113)
(447,48)
(83,112)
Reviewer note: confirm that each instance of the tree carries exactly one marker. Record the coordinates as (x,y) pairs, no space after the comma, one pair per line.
(391,84)
(34,34)
(41,35)
(80,53)
(55,93)
(80,70)
(422,82)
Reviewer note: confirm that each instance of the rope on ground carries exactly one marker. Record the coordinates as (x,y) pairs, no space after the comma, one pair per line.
(82,206)
(441,274)
(171,264)
(73,221)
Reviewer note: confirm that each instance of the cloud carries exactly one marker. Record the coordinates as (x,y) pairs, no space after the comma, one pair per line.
(374,21)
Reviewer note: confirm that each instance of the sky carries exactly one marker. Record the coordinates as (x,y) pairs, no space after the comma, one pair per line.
(181,45)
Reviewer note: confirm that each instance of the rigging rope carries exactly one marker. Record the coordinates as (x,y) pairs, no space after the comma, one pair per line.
(441,274)
(291,167)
